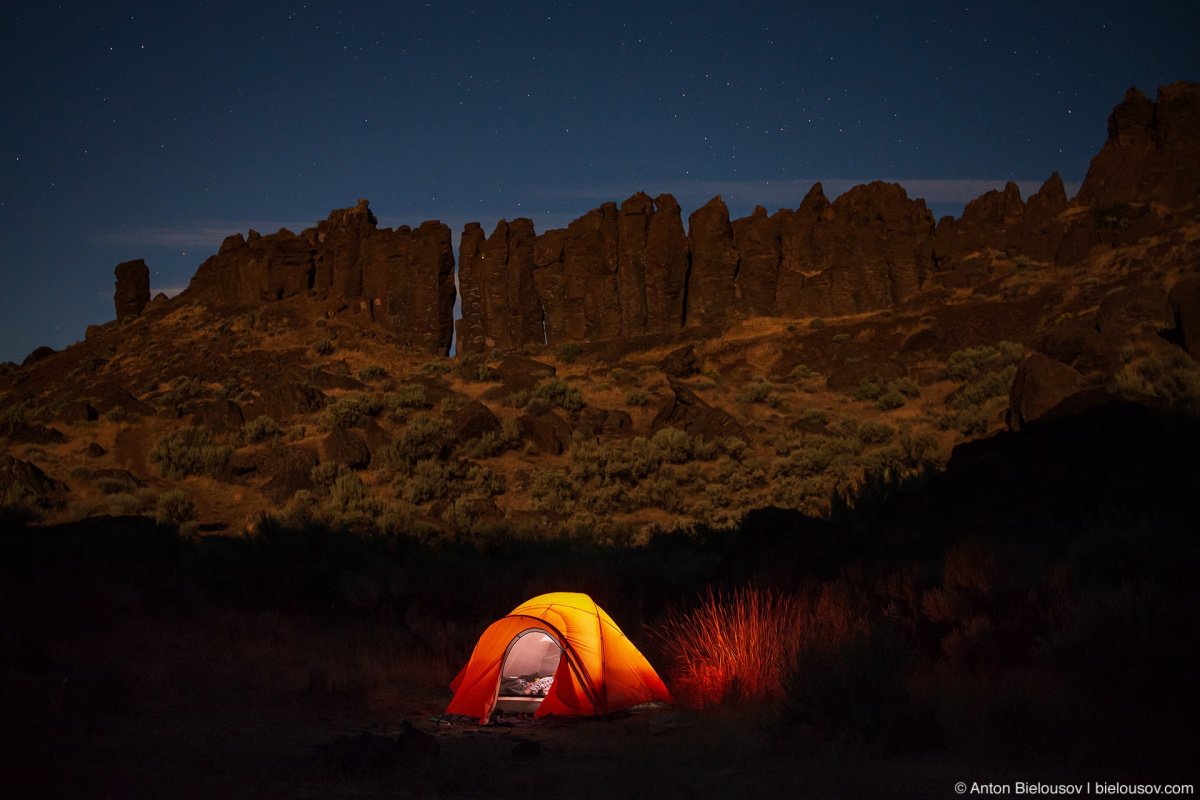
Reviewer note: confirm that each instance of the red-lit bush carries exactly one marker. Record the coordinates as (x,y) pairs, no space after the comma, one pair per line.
(734,648)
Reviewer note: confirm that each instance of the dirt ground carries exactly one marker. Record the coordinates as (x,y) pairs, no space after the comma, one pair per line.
(303,747)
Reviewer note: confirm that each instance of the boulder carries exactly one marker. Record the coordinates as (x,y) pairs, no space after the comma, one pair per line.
(106,397)
(549,432)
(1079,346)
(38,354)
(471,421)
(289,470)
(687,412)
(681,363)
(221,417)
(594,421)
(18,432)
(378,440)
(77,411)
(27,476)
(1127,309)
(345,447)
(94,450)
(284,401)
(1041,383)
(523,374)
(122,475)
(132,288)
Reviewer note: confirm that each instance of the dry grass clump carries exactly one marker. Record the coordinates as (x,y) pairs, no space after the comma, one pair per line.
(734,648)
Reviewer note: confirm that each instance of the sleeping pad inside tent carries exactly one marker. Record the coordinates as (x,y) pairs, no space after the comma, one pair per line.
(558,653)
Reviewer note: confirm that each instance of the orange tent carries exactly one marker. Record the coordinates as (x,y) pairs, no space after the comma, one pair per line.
(556,654)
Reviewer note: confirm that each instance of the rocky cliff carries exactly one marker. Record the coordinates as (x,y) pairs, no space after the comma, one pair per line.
(619,272)
(403,278)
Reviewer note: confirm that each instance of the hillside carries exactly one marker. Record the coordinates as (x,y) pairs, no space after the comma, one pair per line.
(620,374)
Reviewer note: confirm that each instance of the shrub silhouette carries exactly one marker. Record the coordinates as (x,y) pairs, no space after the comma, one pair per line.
(191,451)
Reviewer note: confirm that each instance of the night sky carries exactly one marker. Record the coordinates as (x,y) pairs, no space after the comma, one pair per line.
(153,130)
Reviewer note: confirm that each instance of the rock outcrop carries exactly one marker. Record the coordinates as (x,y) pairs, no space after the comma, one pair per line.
(1152,154)
(620,272)
(133,288)
(402,279)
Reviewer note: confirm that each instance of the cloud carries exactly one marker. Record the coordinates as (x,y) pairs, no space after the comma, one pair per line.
(193,234)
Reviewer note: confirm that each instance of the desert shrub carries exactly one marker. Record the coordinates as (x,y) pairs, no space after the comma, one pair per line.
(967,421)
(349,504)
(80,472)
(355,409)
(174,508)
(425,437)
(906,386)
(114,485)
(920,449)
(672,446)
(190,451)
(802,371)
(370,373)
(816,322)
(849,688)
(518,399)
(323,347)
(841,337)
(1175,378)
(568,353)
(984,387)
(868,391)
(118,414)
(430,479)
(876,432)
(551,490)
(439,367)
(818,415)
(19,507)
(124,503)
(757,392)
(734,648)
(637,397)
(406,396)
(494,443)
(966,364)
(260,429)
(558,392)
(890,400)
(1020,263)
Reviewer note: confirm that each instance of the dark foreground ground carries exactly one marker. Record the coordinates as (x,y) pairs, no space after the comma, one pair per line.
(1029,615)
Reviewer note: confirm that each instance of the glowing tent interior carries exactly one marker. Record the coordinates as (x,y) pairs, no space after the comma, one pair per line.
(558,653)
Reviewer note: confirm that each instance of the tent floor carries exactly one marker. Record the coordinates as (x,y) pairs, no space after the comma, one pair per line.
(518,705)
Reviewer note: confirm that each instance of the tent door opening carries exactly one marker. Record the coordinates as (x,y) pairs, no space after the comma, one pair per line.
(527,673)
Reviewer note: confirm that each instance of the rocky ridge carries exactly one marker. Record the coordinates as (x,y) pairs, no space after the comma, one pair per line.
(629,270)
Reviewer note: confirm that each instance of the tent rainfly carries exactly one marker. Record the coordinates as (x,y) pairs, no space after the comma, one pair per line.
(558,653)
